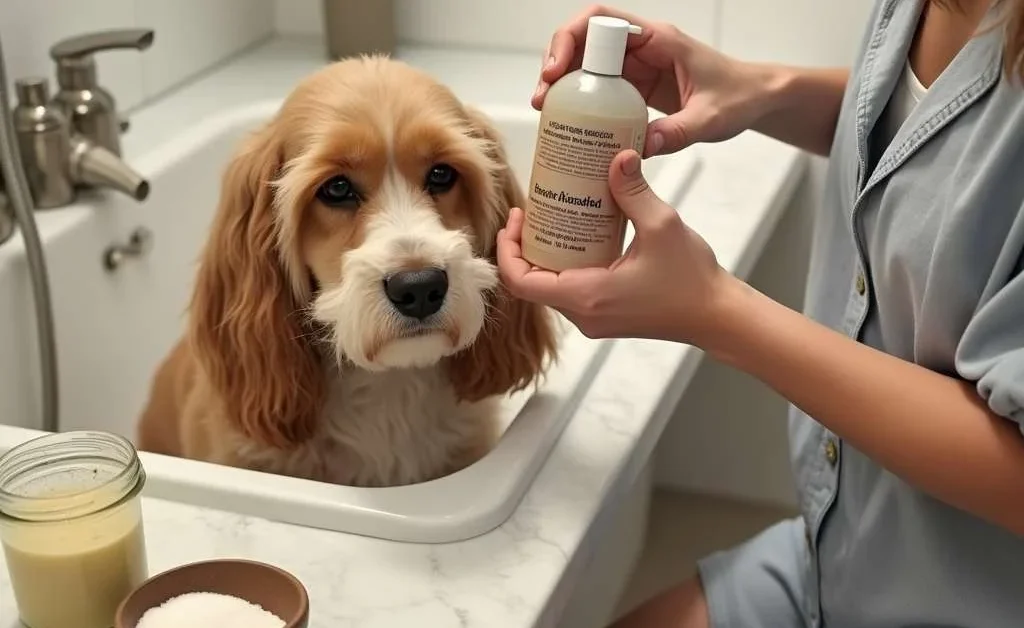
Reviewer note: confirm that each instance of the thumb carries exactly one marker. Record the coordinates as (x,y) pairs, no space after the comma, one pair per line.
(633,195)
(672,133)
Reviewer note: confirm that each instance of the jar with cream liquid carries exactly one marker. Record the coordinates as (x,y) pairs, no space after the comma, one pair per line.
(71,527)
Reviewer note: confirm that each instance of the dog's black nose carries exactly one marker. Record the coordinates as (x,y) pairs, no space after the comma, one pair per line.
(417,293)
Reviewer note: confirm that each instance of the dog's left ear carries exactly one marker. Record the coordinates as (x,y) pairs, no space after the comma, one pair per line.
(247,325)
(518,337)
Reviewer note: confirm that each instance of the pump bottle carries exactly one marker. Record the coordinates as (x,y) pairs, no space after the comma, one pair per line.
(589,116)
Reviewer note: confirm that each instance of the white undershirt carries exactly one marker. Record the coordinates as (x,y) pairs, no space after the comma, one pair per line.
(905,97)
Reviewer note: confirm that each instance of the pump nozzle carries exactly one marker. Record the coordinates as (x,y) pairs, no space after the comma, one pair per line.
(605,49)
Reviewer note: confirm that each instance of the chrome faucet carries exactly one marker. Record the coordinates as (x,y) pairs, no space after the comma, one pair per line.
(92,110)
(72,140)
(48,149)
(45,144)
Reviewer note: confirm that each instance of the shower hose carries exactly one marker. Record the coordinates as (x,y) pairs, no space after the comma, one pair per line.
(21,201)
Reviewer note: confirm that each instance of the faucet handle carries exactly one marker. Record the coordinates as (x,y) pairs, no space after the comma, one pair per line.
(76,68)
(113,39)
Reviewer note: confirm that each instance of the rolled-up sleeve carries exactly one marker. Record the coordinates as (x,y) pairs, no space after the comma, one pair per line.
(991,350)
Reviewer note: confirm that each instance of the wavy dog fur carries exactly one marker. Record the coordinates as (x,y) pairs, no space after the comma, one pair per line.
(295,361)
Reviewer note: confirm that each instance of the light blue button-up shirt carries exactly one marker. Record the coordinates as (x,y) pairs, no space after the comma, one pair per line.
(919,251)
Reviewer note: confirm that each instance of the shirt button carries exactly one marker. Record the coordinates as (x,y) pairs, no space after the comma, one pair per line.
(861,284)
(831,451)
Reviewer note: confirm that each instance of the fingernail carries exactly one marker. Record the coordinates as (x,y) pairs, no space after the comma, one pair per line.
(657,142)
(631,164)
(540,88)
(550,62)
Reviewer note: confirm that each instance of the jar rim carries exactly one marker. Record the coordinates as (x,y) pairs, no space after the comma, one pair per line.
(46,451)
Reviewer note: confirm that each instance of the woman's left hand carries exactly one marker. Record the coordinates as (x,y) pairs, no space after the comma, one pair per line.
(667,285)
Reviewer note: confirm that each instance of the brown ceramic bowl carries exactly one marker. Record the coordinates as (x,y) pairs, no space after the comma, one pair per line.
(274,589)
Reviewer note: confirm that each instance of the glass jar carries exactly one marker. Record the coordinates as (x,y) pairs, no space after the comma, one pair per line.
(71,527)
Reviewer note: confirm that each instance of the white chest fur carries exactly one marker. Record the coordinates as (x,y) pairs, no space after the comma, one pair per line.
(388,428)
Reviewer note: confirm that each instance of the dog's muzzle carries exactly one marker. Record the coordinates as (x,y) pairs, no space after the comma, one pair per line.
(417,294)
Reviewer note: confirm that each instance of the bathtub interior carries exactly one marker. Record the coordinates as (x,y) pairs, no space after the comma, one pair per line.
(114,328)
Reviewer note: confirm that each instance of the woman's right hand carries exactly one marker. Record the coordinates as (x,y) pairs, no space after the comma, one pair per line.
(706,95)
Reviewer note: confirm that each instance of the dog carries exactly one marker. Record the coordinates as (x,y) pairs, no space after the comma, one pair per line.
(347,322)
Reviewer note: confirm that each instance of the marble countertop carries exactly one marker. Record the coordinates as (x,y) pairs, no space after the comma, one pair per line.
(520,574)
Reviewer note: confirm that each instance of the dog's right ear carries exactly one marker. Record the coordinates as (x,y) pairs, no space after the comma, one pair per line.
(504,191)
(519,338)
(248,326)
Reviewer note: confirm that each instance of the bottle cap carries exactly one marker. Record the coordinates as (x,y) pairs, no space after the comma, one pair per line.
(605,49)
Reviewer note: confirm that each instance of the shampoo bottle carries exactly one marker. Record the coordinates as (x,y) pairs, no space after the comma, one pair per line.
(589,116)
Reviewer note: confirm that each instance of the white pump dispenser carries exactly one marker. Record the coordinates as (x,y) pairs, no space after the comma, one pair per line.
(605,48)
(589,116)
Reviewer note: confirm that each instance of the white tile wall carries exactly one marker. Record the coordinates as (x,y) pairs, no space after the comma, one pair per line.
(788,31)
(528,24)
(804,32)
(191,35)
(298,17)
(504,24)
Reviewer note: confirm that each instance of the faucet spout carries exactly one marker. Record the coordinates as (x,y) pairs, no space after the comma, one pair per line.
(95,166)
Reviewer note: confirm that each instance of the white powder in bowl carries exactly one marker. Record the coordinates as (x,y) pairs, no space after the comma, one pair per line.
(209,610)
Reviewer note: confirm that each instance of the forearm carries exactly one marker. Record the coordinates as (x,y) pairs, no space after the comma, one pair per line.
(933,431)
(801,105)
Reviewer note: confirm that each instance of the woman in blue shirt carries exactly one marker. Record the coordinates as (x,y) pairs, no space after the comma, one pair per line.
(906,370)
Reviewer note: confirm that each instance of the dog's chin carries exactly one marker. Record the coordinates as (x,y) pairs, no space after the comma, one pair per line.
(417,351)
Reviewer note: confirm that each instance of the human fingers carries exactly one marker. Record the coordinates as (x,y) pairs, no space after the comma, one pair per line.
(562,50)
(635,197)
(526,281)
(514,224)
(521,277)
(561,290)
(677,131)
(565,50)
(509,250)
(563,55)
(537,99)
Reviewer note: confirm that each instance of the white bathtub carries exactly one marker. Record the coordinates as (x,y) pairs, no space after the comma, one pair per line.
(113,327)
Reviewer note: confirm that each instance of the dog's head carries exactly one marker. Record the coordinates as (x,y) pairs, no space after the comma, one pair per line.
(359,225)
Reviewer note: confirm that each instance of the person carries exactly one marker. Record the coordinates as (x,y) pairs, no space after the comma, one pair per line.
(905,372)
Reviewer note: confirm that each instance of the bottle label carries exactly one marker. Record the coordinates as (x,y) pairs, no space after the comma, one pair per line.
(572,221)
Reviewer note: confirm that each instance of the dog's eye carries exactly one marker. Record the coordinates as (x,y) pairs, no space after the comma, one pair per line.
(440,179)
(337,192)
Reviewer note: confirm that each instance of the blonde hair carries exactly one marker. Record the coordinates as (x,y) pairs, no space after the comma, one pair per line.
(1011,20)
(1013,51)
